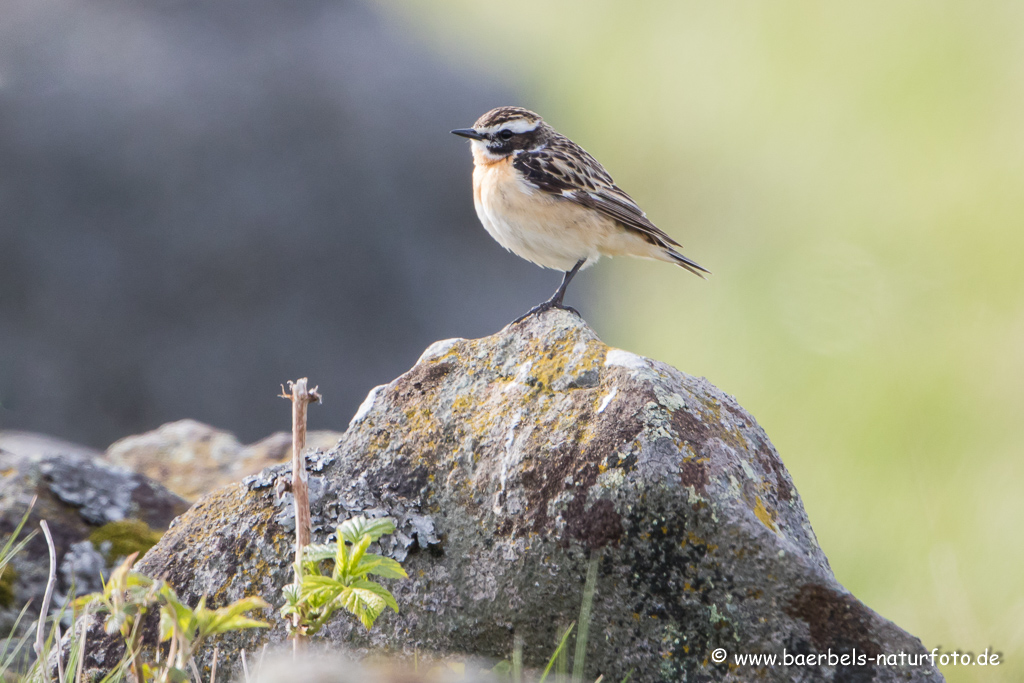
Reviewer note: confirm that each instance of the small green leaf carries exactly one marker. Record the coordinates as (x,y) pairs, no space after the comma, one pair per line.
(382,566)
(318,552)
(230,618)
(502,668)
(292,593)
(236,623)
(352,530)
(363,603)
(166,624)
(176,675)
(378,590)
(86,601)
(114,622)
(358,550)
(244,605)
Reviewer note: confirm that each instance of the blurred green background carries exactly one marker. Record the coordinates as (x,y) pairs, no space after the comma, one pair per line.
(853,175)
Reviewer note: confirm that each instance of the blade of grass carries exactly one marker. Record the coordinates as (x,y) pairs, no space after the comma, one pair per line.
(81,653)
(245,668)
(517,659)
(562,665)
(259,664)
(7,656)
(558,654)
(6,553)
(579,661)
(56,641)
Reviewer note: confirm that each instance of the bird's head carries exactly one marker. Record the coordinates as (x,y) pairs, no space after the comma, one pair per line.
(503,131)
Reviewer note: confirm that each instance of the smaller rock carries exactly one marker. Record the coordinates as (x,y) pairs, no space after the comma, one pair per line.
(83,566)
(191,458)
(78,495)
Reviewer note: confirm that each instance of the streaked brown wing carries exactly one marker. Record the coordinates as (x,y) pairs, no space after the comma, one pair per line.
(563,168)
(617,204)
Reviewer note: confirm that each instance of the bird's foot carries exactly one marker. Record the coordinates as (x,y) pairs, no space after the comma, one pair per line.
(546,306)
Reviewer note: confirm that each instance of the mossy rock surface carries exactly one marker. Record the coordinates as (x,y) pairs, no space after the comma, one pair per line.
(507,463)
(125,537)
(77,494)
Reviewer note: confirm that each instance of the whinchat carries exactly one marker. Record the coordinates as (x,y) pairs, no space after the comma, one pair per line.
(542,197)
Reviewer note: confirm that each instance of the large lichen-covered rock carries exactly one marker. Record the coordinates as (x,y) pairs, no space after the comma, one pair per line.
(81,498)
(192,458)
(507,463)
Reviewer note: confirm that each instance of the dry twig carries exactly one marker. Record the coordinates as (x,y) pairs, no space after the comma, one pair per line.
(40,644)
(300,397)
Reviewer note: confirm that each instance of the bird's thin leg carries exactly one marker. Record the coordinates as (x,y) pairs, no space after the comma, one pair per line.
(556,299)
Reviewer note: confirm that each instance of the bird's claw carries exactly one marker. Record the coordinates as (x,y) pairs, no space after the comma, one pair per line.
(546,306)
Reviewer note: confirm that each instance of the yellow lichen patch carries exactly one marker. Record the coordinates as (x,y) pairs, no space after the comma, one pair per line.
(379,441)
(762,514)
(551,360)
(694,539)
(420,420)
(462,403)
(126,537)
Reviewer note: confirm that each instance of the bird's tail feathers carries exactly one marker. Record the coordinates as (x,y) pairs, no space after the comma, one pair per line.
(687,263)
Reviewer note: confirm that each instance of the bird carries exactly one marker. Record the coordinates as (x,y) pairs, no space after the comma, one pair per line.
(545,199)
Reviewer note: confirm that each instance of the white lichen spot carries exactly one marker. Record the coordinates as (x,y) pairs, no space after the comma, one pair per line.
(607,399)
(748,470)
(521,376)
(611,480)
(672,401)
(510,442)
(438,349)
(734,487)
(715,616)
(366,405)
(625,359)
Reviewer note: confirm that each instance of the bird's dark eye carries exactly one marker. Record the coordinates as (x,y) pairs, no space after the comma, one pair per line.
(505,135)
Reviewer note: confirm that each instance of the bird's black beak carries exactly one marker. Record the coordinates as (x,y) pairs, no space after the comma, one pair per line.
(469,133)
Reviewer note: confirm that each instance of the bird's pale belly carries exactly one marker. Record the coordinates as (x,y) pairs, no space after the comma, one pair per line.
(547,230)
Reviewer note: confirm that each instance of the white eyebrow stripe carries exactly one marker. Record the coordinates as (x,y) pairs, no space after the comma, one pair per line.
(517,126)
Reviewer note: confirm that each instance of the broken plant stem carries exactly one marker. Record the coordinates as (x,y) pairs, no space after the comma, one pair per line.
(40,644)
(301,397)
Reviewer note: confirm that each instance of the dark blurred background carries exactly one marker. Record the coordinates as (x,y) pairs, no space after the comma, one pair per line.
(202,200)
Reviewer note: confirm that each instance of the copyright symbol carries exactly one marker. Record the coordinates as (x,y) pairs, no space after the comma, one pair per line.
(718,655)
